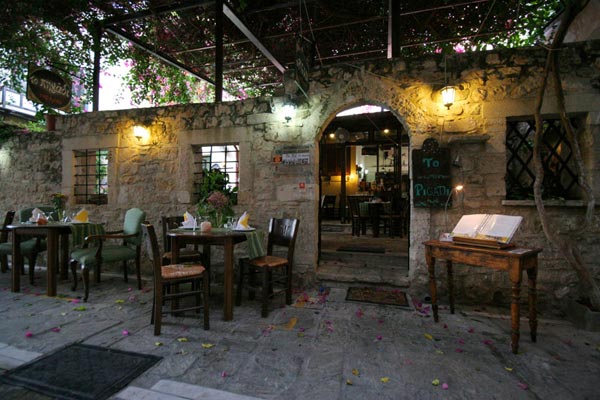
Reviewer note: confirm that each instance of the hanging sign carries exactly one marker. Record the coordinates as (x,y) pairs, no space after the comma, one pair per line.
(431,175)
(304,58)
(49,88)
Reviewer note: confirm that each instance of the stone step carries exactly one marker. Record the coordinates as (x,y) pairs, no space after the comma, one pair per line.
(374,260)
(333,273)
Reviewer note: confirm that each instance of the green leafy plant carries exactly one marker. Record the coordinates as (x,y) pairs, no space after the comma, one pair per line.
(216,197)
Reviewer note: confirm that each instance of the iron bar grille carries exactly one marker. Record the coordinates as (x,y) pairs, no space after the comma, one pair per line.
(91,176)
(222,157)
(560,173)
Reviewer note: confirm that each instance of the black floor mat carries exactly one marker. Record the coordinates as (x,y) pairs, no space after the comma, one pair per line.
(80,372)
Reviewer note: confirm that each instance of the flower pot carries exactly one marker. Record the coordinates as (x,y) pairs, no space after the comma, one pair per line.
(50,122)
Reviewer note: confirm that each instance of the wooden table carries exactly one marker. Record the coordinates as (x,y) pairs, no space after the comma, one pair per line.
(217,237)
(513,260)
(57,242)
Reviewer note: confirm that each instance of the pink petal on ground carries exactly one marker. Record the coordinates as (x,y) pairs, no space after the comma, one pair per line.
(458,350)
(471,330)
(359,313)
(461,341)
(445,326)
(523,386)
(28,334)
(224,374)
(488,342)
(445,386)
(57,329)
(75,301)
(125,332)
(379,337)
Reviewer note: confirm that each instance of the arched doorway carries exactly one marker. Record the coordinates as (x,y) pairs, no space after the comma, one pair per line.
(364,190)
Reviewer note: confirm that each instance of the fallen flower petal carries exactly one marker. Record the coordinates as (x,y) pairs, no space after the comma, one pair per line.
(471,330)
(158,343)
(428,336)
(461,341)
(379,337)
(57,329)
(80,308)
(28,334)
(182,339)
(523,386)
(207,345)
(488,342)
(509,369)
(445,386)
(435,382)
(355,372)
(458,350)
(348,382)
(385,379)
(439,352)
(125,332)
(223,374)
(119,301)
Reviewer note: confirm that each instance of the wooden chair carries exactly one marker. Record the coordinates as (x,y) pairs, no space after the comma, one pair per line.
(359,219)
(393,218)
(282,234)
(30,248)
(328,206)
(109,252)
(185,254)
(171,276)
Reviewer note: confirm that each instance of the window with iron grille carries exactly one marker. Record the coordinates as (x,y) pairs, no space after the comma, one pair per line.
(560,176)
(225,158)
(91,176)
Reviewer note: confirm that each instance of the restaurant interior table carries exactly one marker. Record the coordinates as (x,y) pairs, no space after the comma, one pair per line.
(512,260)
(216,237)
(57,239)
(373,209)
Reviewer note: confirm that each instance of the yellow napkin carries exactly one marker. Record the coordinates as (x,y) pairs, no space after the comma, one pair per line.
(188,220)
(243,221)
(82,216)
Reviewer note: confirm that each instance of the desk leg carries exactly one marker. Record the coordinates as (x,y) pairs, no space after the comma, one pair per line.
(228,280)
(450,285)
(17,262)
(432,287)
(532,282)
(515,311)
(52,253)
(64,256)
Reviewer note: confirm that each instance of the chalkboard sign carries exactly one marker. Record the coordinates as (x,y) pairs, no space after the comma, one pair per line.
(431,175)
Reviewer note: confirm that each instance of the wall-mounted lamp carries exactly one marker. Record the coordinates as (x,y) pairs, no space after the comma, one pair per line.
(456,189)
(141,133)
(448,95)
(288,109)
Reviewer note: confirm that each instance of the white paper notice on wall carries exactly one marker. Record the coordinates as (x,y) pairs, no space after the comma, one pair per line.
(295,192)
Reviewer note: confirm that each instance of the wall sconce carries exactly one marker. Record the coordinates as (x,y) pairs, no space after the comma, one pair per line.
(456,189)
(448,95)
(141,133)
(288,109)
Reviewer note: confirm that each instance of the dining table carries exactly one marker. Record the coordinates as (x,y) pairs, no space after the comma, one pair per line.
(374,209)
(57,244)
(57,247)
(227,238)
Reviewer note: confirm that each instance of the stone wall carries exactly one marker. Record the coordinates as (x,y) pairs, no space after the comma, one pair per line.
(156,175)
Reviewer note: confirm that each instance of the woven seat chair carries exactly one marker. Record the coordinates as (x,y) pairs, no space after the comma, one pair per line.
(170,277)
(273,269)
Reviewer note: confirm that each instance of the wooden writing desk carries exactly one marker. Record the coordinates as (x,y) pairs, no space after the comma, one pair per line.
(513,260)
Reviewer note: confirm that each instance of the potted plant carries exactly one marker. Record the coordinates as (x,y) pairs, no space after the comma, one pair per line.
(216,198)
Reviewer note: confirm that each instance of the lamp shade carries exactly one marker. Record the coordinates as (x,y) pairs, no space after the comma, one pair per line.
(448,94)
(289,110)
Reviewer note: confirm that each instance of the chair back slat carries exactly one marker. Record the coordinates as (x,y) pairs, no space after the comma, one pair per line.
(169,223)
(152,247)
(8,219)
(283,233)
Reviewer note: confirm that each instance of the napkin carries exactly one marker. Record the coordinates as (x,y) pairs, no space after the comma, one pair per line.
(82,216)
(188,220)
(37,215)
(242,223)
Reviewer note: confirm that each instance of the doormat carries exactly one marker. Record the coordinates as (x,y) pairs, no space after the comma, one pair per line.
(80,372)
(393,297)
(362,249)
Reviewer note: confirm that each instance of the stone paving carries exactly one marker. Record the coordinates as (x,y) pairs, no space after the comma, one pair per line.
(330,350)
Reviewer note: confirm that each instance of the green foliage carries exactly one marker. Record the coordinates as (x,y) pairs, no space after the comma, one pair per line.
(215,181)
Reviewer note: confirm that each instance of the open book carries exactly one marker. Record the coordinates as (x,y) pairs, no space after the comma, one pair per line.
(496,227)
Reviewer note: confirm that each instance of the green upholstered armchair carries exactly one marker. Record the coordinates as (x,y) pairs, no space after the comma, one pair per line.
(30,248)
(115,246)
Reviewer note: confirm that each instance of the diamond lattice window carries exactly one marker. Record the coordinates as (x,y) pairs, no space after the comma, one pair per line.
(560,174)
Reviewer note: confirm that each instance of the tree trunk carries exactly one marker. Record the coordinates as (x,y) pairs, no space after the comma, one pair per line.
(566,246)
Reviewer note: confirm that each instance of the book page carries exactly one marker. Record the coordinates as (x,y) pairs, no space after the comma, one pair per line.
(469,225)
(499,227)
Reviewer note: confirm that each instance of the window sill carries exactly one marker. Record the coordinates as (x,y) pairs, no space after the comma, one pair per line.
(547,203)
